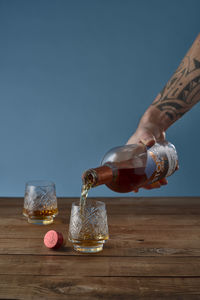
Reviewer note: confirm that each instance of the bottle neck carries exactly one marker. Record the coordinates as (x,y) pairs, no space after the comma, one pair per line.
(97,176)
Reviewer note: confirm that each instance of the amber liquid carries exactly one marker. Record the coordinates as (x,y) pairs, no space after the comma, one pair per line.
(89,240)
(84,193)
(40,214)
(128,179)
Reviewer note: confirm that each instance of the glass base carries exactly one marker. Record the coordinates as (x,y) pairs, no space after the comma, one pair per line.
(91,249)
(38,221)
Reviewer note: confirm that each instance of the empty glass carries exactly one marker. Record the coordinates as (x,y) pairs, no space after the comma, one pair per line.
(40,202)
(88,229)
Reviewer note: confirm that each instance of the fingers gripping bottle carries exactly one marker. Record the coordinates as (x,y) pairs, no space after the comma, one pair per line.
(131,166)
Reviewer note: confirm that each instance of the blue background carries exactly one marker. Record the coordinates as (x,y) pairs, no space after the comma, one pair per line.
(75,78)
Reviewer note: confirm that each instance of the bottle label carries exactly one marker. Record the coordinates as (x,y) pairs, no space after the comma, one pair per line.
(161,162)
(157,166)
(172,158)
(150,166)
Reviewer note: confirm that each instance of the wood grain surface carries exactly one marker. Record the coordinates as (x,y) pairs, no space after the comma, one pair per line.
(153,253)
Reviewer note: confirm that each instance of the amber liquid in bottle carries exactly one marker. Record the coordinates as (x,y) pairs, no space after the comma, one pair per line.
(123,181)
(127,180)
(129,167)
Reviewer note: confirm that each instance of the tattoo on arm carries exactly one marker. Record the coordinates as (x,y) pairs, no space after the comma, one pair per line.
(183,89)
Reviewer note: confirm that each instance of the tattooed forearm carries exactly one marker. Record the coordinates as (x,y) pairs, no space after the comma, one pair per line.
(183,89)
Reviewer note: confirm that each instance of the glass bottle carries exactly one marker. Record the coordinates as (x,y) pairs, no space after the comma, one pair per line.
(131,166)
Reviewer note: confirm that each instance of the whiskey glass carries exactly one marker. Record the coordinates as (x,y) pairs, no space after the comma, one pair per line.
(40,202)
(88,229)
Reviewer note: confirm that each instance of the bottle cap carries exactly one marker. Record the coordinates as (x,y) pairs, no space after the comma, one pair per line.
(53,239)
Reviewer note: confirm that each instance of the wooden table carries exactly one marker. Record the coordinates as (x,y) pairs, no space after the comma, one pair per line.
(153,253)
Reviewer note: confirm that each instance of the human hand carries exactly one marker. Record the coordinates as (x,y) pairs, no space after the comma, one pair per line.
(148,133)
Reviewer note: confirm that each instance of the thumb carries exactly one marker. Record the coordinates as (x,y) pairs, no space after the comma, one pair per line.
(148,139)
